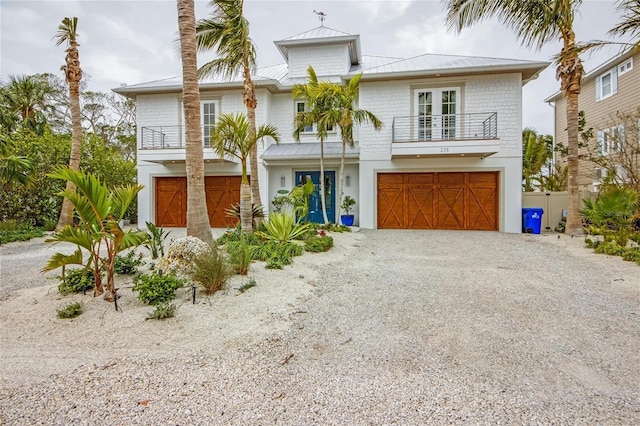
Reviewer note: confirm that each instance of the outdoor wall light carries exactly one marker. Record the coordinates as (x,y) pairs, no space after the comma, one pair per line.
(283,180)
(347,180)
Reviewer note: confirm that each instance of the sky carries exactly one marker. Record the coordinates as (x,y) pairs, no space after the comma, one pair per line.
(133,41)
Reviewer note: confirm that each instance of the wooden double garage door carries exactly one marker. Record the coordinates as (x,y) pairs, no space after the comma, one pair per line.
(171,200)
(461,200)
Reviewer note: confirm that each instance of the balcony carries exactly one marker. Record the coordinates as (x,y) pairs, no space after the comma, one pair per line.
(474,135)
(166,144)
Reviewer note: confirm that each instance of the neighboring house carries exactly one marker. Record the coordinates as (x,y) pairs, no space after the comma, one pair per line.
(448,157)
(609,96)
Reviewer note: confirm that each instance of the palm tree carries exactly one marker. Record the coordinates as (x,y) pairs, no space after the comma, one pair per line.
(537,150)
(347,115)
(197,216)
(232,137)
(321,99)
(23,102)
(14,169)
(99,210)
(227,32)
(537,23)
(67,33)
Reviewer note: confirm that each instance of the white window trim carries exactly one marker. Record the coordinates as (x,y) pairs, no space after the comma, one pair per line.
(623,69)
(314,128)
(613,72)
(202,102)
(611,140)
(437,93)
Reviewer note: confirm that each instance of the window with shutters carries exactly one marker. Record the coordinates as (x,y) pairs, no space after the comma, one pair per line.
(607,84)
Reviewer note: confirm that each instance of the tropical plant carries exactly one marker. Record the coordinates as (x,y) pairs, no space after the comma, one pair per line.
(612,213)
(347,115)
(538,23)
(12,230)
(155,243)
(299,197)
(246,286)
(156,289)
(347,203)
(233,137)
(23,104)
(163,311)
(211,270)
(240,255)
(257,212)
(197,216)
(320,100)
(14,169)
(318,243)
(67,33)
(537,151)
(283,227)
(99,211)
(227,32)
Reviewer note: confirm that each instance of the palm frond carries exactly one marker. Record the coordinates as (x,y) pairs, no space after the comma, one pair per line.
(67,31)
(59,260)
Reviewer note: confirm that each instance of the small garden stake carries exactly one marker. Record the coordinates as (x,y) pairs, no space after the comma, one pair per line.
(193,293)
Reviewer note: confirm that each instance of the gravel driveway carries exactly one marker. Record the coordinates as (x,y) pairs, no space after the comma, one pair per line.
(398,327)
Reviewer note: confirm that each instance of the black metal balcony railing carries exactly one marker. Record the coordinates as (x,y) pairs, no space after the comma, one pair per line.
(170,137)
(427,128)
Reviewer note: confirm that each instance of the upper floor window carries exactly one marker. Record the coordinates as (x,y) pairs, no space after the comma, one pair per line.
(607,84)
(301,106)
(625,67)
(611,140)
(208,113)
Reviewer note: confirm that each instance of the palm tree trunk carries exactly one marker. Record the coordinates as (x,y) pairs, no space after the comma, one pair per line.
(74,75)
(341,180)
(250,101)
(197,216)
(322,190)
(570,73)
(246,211)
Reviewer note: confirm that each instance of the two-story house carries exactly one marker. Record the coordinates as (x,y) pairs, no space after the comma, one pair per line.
(448,156)
(610,100)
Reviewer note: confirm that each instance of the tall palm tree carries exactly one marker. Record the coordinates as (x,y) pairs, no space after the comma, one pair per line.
(320,99)
(538,22)
(67,33)
(23,103)
(227,32)
(232,137)
(197,216)
(346,114)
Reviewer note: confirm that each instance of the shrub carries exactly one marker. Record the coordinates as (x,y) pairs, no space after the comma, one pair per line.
(236,234)
(318,244)
(76,280)
(612,249)
(156,289)
(12,230)
(276,249)
(240,255)
(128,263)
(632,254)
(163,311)
(211,271)
(274,264)
(246,286)
(72,310)
(155,243)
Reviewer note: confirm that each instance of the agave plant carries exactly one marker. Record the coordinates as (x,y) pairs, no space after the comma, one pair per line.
(283,227)
(99,211)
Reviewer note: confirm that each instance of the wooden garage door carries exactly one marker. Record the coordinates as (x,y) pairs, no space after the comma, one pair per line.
(171,200)
(465,200)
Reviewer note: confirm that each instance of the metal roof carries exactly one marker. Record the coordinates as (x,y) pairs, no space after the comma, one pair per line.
(286,151)
(320,32)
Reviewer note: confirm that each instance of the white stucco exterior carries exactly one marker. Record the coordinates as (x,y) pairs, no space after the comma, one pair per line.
(388,90)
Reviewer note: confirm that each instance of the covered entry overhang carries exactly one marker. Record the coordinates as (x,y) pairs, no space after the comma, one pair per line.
(308,151)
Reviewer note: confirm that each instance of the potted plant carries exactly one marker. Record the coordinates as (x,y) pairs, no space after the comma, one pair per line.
(347,205)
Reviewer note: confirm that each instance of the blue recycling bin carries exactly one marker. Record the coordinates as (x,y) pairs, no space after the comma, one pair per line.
(532,219)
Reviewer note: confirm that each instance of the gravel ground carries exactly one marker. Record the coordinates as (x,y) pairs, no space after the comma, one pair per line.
(390,327)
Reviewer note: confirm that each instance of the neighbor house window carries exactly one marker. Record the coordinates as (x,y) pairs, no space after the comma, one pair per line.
(611,140)
(607,84)
(625,67)
(208,111)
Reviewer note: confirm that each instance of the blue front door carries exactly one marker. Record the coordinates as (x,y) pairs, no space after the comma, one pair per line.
(315,204)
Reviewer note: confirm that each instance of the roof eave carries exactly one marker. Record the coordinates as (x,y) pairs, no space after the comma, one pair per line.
(133,91)
(353,40)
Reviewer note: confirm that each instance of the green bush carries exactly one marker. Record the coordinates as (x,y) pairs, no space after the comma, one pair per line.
(236,234)
(611,249)
(163,311)
(246,286)
(211,270)
(72,310)
(76,280)
(274,264)
(240,255)
(277,249)
(318,244)
(155,289)
(127,264)
(632,254)
(13,230)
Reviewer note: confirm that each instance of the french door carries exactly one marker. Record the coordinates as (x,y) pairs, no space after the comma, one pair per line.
(435,111)
(315,203)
